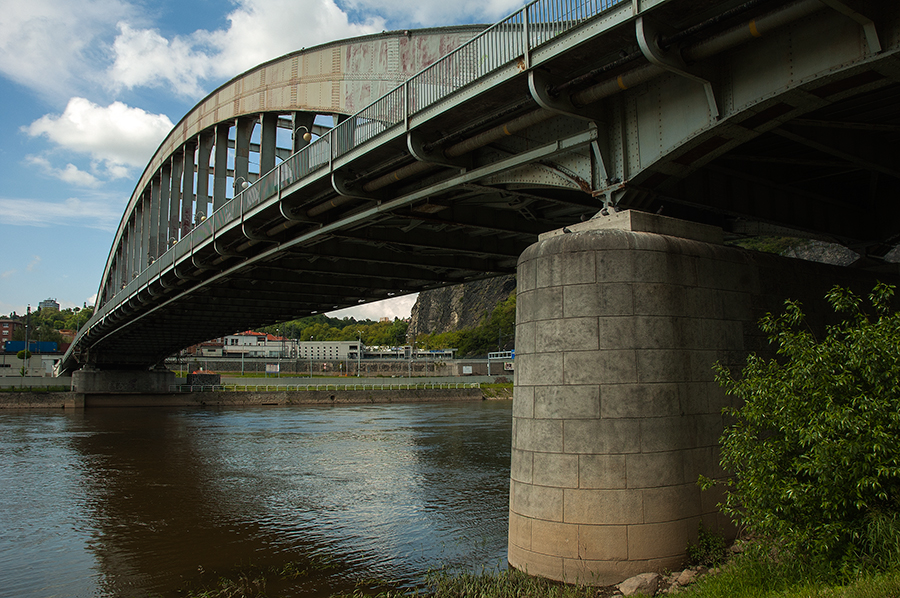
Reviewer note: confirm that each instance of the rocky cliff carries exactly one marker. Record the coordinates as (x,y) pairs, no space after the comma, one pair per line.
(460,306)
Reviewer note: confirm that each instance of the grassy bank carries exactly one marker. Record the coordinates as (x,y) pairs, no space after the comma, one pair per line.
(48,388)
(743,578)
(498,391)
(750,577)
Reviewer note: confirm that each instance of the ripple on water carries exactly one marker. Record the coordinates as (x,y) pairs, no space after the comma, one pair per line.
(140,502)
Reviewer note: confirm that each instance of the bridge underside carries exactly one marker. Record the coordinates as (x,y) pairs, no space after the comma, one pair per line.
(784,130)
(798,165)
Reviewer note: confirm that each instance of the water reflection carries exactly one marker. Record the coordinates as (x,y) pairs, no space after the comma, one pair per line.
(150,502)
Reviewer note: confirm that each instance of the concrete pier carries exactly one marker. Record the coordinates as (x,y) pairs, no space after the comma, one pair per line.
(616,411)
(89,380)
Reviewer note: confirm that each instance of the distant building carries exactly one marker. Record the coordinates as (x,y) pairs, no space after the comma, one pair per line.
(49,303)
(329,350)
(211,348)
(258,344)
(7,327)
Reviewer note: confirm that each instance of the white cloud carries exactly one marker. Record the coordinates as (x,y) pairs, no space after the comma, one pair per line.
(258,30)
(436,13)
(72,174)
(396,307)
(69,174)
(115,136)
(62,48)
(34,263)
(90,213)
(264,29)
(7,274)
(145,58)
(51,46)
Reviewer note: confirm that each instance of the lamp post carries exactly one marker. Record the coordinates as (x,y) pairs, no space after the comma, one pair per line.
(358,351)
(244,185)
(26,355)
(307,136)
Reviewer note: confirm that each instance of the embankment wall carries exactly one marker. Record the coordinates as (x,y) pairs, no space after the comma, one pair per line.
(59,400)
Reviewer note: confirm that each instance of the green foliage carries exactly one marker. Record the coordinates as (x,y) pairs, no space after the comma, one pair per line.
(23,354)
(709,551)
(323,328)
(497,328)
(756,576)
(495,332)
(505,584)
(45,324)
(815,444)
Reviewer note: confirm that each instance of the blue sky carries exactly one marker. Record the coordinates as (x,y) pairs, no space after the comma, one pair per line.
(88,89)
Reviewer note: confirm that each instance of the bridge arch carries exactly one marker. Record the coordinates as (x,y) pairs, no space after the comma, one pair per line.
(268,112)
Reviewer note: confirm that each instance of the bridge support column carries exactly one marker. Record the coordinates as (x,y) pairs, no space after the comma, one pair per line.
(187,188)
(177,166)
(93,381)
(616,411)
(204,149)
(220,165)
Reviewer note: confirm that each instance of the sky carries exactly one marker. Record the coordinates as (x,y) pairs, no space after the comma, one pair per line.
(89,88)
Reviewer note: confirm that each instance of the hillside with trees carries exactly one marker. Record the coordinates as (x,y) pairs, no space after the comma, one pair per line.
(323,328)
(494,325)
(45,324)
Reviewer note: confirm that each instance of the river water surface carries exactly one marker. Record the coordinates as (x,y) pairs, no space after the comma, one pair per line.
(316,500)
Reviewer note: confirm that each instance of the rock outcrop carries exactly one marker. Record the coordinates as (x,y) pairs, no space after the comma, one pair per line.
(460,306)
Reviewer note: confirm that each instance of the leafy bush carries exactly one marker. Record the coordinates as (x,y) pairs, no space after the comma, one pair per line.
(709,551)
(815,444)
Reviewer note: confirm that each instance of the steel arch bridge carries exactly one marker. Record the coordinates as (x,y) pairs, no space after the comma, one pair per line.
(455,147)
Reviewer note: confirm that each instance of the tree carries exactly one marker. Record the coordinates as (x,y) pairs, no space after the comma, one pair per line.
(815,445)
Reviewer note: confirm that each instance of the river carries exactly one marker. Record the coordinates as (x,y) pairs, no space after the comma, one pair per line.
(315,500)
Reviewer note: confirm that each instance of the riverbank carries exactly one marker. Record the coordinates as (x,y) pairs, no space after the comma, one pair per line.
(745,577)
(71,400)
(499,391)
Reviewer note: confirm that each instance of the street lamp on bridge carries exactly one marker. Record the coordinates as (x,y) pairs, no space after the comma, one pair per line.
(243,186)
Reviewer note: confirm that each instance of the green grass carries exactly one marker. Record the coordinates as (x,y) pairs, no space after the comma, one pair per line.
(744,577)
(36,389)
(501,390)
(753,577)
(505,584)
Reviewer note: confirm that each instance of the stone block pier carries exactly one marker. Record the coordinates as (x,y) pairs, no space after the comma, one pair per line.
(616,410)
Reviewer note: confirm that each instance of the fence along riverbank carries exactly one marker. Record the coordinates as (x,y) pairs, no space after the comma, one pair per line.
(252,395)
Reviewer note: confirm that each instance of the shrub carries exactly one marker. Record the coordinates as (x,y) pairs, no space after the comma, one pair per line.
(709,551)
(815,445)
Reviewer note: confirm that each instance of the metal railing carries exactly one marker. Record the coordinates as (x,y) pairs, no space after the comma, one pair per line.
(512,39)
(309,387)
